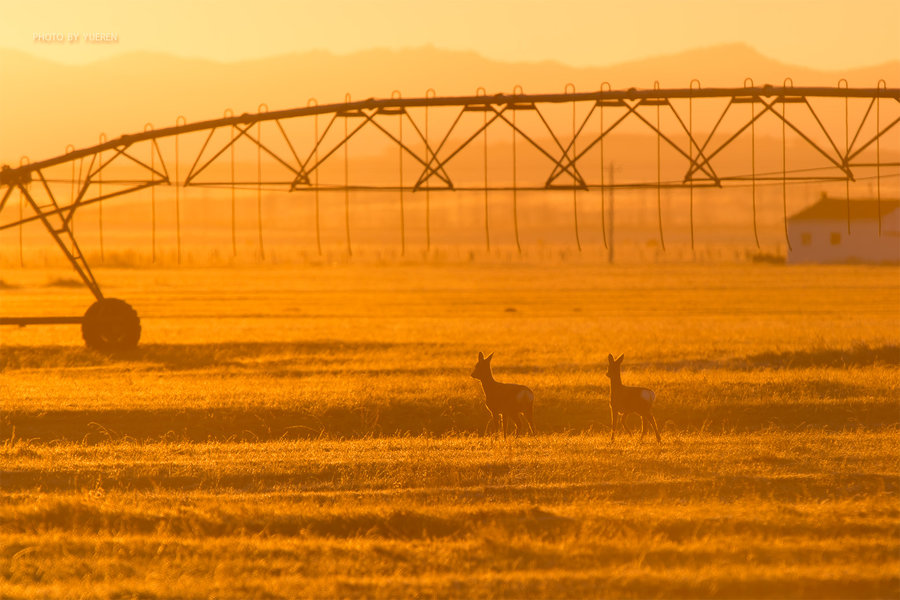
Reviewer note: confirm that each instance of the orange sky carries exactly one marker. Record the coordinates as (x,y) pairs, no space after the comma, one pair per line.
(824,34)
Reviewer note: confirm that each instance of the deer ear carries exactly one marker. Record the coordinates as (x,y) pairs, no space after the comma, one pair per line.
(619,360)
(611,359)
(490,356)
(480,356)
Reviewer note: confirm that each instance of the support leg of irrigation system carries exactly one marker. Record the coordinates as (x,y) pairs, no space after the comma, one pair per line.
(110,324)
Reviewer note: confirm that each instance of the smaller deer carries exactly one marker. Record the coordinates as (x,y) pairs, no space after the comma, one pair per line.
(624,400)
(505,401)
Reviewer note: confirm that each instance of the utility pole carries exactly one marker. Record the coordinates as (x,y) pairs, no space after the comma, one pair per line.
(612,213)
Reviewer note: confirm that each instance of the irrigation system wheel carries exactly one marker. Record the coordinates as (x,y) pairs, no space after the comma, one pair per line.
(111,325)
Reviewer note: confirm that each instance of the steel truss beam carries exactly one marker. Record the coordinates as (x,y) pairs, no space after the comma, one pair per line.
(367,110)
(564,149)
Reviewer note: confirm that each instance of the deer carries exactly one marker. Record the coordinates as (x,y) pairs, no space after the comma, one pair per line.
(624,400)
(505,401)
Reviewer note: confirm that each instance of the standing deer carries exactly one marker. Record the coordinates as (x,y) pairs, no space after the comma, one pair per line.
(505,401)
(624,400)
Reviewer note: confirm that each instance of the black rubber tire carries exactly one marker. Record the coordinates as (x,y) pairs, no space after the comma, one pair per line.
(111,325)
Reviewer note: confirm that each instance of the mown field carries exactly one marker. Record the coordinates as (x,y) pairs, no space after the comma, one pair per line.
(313,431)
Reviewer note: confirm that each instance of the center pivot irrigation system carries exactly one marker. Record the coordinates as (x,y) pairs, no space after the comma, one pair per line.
(301,144)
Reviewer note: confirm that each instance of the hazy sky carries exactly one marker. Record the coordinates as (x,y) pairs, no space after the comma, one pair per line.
(824,34)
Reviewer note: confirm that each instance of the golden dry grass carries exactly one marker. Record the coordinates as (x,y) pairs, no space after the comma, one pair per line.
(314,432)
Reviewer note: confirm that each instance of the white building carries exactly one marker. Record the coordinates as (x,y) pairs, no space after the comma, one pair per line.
(818,233)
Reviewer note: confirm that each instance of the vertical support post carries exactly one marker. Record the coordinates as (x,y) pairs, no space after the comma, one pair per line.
(347,178)
(753,159)
(259,228)
(100,194)
(516,90)
(228,114)
(314,102)
(179,121)
(574,182)
(612,213)
(149,127)
(846,160)
(607,88)
(787,238)
(396,94)
(659,220)
(21,216)
(429,93)
(22,161)
(882,84)
(691,155)
(487,229)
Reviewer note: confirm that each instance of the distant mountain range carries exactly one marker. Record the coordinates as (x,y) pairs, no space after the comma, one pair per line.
(45,105)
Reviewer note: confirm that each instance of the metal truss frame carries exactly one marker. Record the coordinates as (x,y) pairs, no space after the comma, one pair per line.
(433,156)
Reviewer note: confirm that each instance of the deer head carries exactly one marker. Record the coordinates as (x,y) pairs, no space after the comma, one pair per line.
(615,366)
(482,368)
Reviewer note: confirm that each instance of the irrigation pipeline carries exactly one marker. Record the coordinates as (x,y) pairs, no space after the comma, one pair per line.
(510,101)
(428,153)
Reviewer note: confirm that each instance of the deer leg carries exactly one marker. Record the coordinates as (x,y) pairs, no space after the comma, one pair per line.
(526,426)
(518,422)
(505,420)
(526,422)
(655,428)
(612,415)
(529,416)
(490,426)
(643,426)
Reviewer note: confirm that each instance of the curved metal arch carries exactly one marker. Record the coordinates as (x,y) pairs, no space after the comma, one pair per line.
(10,175)
(498,110)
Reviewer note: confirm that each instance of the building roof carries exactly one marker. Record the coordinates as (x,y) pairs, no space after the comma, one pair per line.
(835,209)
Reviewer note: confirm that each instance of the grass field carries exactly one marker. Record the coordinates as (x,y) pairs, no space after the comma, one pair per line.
(313,431)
